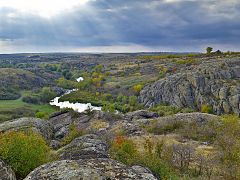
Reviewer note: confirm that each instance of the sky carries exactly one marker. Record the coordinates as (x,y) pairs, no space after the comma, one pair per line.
(119,25)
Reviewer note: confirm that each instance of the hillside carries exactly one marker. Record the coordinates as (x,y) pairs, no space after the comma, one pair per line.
(171,116)
(213,83)
(13,81)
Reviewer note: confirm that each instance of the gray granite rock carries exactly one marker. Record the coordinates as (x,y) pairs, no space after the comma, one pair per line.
(89,169)
(84,147)
(208,83)
(141,114)
(6,172)
(40,126)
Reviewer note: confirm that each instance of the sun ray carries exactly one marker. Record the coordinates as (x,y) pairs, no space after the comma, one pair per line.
(44,8)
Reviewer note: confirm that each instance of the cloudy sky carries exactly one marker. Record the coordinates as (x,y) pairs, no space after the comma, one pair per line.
(118,25)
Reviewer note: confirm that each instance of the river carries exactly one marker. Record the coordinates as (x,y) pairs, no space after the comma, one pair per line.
(79,107)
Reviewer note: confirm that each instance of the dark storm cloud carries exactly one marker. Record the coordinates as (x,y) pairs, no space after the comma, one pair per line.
(150,23)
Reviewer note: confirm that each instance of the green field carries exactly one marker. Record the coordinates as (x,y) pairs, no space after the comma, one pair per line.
(10,109)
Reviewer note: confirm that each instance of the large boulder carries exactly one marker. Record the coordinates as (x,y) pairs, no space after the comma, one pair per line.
(215,83)
(6,172)
(40,126)
(89,169)
(84,147)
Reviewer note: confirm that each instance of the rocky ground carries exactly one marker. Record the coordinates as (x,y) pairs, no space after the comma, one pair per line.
(87,156)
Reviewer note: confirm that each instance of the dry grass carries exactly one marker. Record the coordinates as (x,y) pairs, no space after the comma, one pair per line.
(169,140)
(99,124)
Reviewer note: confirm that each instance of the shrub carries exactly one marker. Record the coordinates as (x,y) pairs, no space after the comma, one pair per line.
(157,166)
(23,151)
(137,88)
(108,107)
(41,115)
(67,74)
(200,131)
(47,94)
(122,99)
(74,132)
(132,100)
(187,110)
(9,94)
(164,110)
(31,99)
(98,68)
(67,84)
(206,109)
(107,97)
(163,71)
(228,144)
(124,150)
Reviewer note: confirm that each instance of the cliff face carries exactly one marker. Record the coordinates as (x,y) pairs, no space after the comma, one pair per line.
(215,83)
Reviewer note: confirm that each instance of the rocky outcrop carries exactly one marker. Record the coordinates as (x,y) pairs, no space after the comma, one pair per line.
(140,114)
(99,123)
(61,124)
(89,169)
(190,117)
(61,119)
(214,83)
(6,172)
(144,172)
(129,128)
(84,147)
(197,117)
(40,126)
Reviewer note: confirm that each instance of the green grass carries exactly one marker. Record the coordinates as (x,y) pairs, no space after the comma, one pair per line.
(13,104)
(44,108)
(6,104)
(10,109)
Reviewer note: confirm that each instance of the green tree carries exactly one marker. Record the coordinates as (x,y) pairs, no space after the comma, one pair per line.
(67,74)
(68,84)
(47,94)
(209,50)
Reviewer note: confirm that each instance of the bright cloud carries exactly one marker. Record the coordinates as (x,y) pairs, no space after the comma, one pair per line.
(44,8)
(118,25)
